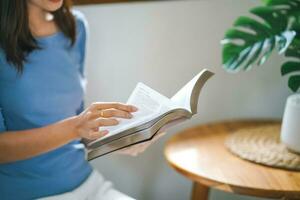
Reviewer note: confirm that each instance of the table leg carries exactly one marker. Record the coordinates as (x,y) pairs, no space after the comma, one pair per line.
(200,192)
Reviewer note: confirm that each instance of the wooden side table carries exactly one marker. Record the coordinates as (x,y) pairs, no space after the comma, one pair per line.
(200,154)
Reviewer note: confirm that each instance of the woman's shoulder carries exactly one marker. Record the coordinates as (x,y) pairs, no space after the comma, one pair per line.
(82,31)
(81,22)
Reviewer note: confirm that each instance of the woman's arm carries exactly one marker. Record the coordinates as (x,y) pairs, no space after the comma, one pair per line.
(19,145)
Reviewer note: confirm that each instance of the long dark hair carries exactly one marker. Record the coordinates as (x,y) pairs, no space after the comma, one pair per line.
(16,40)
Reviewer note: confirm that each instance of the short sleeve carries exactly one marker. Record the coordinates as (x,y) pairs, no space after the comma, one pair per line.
(2,123)
(82,30)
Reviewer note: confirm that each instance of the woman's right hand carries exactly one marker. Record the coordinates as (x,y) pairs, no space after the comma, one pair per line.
(24,144)
(100,114)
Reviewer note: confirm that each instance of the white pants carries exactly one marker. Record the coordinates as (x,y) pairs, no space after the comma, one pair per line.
(94,188)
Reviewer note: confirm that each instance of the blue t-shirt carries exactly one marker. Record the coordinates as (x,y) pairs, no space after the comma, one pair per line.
(50,89)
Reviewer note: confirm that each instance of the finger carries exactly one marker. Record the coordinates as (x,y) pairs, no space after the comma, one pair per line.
(115,113)
(88,115)
(93,135)
(110,113)
(103,122)
(119,106)
(96,114)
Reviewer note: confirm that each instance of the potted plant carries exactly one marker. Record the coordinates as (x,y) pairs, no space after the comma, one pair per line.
(276,27)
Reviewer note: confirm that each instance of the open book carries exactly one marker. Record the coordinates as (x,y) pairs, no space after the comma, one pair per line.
(154,112)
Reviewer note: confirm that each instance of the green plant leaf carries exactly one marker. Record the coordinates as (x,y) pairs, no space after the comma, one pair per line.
(254,47)
(293,3)
(292,67)
(284,40)
(294,49)
(253,55)
(261,30)
(270,45)
(265,1)
(294,83)
(252,41)
(272,17)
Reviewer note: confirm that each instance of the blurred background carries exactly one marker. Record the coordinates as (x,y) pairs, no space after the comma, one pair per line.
(164,44)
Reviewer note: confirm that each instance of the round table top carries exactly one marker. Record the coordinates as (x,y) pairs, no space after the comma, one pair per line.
(199,154)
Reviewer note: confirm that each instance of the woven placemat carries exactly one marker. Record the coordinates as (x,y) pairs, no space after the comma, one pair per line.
(262,145)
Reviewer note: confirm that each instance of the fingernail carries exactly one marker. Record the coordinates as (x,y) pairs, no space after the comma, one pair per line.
(134,108)
(105,132)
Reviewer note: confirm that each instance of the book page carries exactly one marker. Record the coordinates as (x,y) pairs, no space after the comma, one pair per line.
(150,104)
(187,97)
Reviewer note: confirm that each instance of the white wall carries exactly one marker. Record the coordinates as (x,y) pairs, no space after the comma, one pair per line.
(163,44)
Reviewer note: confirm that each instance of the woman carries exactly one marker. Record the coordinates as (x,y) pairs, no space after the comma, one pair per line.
(42,120)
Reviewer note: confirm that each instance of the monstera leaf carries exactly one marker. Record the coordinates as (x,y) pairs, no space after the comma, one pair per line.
(252,40)
(293,67)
